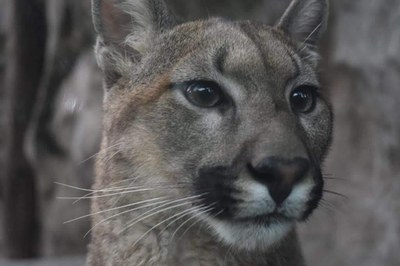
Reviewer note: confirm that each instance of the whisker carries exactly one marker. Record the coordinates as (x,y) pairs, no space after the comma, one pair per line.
(97,153)
(331,176)
(135,221)
(191,218)
(173,221)
(84,197)
(119,188)
(228,252)
(337,179)
(123,191)
(111,157)
(74,187)
(108,195)
(121,213)
(185,212)
(199,220)
(327,205)
(120,196)
(141,218)
(336,193)
(330,207)
(309,36)
(112,189)
(113,209)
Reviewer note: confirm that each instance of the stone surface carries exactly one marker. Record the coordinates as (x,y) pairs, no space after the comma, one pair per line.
(364,78)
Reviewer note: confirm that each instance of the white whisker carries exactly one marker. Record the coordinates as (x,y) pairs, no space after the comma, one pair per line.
(97,190)
(109,195)
(195,222)
(120,196)
(122,192)
(74,187)
(191,218)
(97,153)
(113,209)
(185,212)
(119,188)
(111,157)
(173,221)
(303,44)
(121,213)
(112,189)
(141,218)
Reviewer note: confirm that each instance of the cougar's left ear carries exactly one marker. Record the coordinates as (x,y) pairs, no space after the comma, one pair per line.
(304,21)
(125,30)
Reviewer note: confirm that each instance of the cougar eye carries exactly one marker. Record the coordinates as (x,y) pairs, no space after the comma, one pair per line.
(204,94)
(303,99)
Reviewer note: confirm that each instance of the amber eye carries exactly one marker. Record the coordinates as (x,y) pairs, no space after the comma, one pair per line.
(204,94)
(303,99)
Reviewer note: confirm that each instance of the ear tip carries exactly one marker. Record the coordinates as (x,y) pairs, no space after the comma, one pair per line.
(306,9)
(325,6)
(305,20)
(96,15)
(325,12)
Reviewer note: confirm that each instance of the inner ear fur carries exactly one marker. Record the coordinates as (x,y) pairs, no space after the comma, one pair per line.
(125,29)
(304,21)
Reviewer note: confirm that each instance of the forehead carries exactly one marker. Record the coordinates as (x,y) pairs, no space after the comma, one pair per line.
(240,50)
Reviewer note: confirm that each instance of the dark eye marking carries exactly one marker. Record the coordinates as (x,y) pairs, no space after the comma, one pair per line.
(219,59)
(303,99)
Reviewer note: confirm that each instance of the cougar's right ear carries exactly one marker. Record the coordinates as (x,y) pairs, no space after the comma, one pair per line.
(125,29)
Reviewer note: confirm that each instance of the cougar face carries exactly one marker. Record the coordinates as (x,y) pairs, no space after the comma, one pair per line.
(230,116)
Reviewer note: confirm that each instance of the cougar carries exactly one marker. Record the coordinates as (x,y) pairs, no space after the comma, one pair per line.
(214,133)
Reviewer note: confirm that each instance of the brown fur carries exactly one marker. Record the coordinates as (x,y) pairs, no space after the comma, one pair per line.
(157,140)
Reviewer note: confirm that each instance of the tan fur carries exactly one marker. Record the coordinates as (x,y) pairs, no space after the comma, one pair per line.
(159,149)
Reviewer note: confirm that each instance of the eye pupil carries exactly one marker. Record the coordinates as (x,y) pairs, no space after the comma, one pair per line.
(204,94)
(303,99)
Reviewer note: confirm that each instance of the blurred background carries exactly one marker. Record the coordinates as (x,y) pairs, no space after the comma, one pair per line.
(50,122)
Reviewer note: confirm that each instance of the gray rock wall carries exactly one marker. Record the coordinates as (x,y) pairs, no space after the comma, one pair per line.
(364,78)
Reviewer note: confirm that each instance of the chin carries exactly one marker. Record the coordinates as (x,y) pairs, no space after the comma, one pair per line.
(255,234)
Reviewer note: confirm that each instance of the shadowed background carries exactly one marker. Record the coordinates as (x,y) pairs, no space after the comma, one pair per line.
(50,121)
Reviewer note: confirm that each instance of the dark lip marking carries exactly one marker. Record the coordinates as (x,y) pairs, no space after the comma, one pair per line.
(265,219)
(316,195)
(215,184)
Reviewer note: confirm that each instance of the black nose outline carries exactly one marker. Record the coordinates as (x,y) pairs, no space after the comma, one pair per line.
(280,175)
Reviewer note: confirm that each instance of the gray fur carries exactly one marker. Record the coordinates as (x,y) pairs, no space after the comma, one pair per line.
(153,134)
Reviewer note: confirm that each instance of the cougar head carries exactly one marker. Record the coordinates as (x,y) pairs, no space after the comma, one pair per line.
(230,116)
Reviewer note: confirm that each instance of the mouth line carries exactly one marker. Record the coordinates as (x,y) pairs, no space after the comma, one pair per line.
(265,219)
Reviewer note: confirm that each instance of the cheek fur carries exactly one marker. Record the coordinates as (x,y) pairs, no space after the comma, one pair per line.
(318,128)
